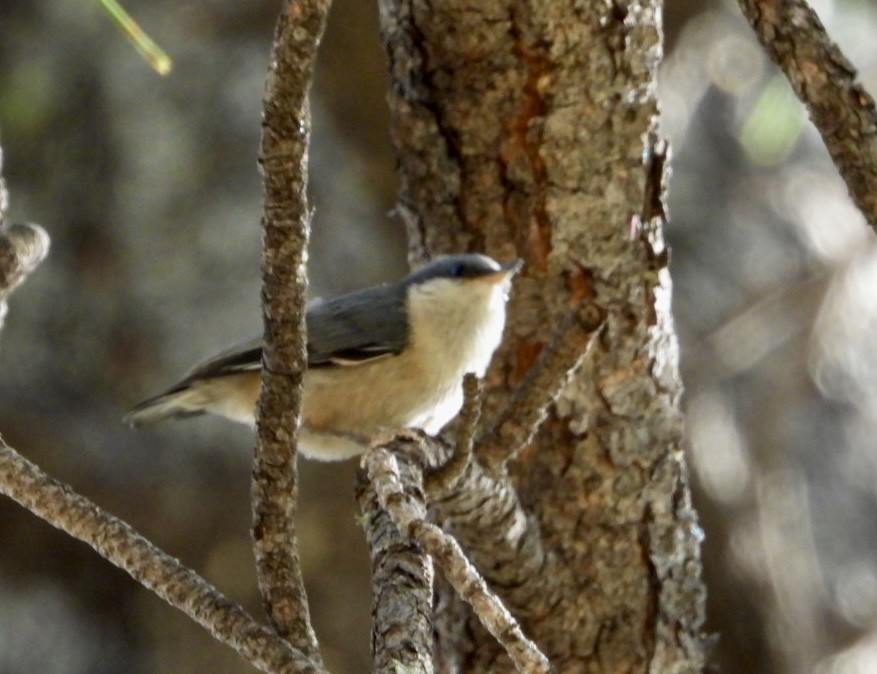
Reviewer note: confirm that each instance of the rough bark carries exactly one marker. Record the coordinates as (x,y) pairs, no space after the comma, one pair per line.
(530,129)
(395,473)
(825,81)
(286,228)
(121,545)
(402,577)
(22,249)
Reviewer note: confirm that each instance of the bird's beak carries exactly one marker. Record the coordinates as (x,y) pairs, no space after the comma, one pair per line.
(505,273)
(513,267)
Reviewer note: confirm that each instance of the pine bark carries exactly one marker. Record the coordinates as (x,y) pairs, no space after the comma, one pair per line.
(286,231)
(530,129)
(823,78)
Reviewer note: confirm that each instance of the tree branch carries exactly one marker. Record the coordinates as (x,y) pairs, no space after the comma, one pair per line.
(513,135)
(22,248)
(385,470)
(445,478)
(402,582)
(286,228)
(823,78)
(481,507)
(556,365)
(484,513)
(121,545)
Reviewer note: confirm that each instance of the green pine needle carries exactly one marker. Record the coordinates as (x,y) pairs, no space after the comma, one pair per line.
(154,55)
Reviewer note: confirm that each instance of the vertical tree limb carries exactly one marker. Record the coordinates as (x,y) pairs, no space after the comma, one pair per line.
(396,477)
(121,545)
(22,248)
(286,228)
(402,578)
(530,129)
(825,81)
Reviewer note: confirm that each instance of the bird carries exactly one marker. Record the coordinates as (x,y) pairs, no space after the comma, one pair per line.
(387,357)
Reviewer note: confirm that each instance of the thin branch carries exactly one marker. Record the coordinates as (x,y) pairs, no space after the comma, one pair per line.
(120,544)
(22,248)
(446,477)
(472,588)
(408,513)
(481,507)
(823,78)
(402,585)
(484,513)
(286,228)
(528,408)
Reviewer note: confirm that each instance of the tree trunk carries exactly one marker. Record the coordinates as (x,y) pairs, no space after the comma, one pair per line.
(530,129)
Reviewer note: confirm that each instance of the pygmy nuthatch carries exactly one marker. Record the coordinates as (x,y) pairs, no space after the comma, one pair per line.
(388,357)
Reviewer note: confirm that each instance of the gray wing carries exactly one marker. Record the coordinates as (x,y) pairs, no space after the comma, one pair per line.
(243,357)
(358,327)
(346,330)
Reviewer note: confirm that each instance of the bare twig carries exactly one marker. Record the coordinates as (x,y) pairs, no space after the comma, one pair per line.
(472,588)
(484,513)
(445,477)
(121,545)
(22,248)
(823,78)
(558,362)
(286,228)
(402,585)
(408,513)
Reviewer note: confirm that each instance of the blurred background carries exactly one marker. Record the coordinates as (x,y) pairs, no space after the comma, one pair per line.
(149,189)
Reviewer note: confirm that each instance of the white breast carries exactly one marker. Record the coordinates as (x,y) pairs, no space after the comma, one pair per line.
(454,329)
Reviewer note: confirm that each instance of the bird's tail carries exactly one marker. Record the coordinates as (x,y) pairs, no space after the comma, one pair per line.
(232,396)
(181,402)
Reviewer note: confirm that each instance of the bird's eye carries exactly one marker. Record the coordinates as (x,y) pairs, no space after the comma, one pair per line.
(457,270)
